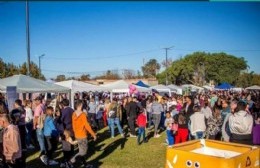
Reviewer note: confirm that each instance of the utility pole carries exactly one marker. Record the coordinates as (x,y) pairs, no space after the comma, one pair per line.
(166,63)
(27,37)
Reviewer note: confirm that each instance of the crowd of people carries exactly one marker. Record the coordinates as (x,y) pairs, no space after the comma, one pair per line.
(222,115)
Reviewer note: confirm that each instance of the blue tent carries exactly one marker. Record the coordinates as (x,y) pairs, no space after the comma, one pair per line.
(142,84)
(224,86)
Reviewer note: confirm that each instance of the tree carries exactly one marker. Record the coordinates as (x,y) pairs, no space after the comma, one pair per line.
(168,63)
(34,71)
(60,78)
(150,68)
(84,77)
(129,74)
(199,67)
(109,75)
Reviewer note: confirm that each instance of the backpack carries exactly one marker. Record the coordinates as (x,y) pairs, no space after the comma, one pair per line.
(112,113)
(41,120)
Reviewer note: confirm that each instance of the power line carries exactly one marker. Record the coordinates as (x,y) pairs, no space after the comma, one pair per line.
(104,57)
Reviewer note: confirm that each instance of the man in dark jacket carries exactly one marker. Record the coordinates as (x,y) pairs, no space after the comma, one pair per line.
(66,116)
(131,111)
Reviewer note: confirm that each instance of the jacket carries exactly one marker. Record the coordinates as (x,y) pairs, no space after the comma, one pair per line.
(12,148)
(156,108)
(49,128)
(81,126)
(197,123)
(66,118)
(132,109)
(141,120)
(241,123)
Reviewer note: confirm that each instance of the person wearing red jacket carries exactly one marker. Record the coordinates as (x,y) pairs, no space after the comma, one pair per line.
(141,123)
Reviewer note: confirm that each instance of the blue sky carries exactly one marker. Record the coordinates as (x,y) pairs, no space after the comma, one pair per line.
(93,37)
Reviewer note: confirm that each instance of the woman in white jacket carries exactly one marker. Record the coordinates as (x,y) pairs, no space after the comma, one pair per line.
(197,123)
(241,124)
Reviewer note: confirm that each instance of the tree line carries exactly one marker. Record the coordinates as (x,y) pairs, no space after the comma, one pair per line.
(198,68)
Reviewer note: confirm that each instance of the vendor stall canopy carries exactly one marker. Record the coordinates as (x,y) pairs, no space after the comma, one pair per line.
(27,84)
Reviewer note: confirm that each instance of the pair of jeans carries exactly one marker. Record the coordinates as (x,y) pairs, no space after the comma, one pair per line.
(170,137)
(156,121)
(141,132)
(40,138)
(52,143)
(29,128)
(112,122)
(92,119)
(149,118)
(131,123)
(199,135)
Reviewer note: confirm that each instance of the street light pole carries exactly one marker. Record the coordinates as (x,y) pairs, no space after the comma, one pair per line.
(166,64)
(27,37)
(40,57)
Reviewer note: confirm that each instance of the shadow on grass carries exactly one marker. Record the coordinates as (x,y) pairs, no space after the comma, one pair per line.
(106,151)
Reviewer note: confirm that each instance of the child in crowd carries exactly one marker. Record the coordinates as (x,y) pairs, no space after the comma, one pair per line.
(99,117)
(51,136)
(168,124)
(67,143)
(141,123)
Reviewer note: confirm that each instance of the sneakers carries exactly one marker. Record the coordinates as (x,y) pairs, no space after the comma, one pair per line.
(53,163)
(132,136)
(44,159)
(30,146)
(62,165)
(122,135)
(89,166)
(157,136)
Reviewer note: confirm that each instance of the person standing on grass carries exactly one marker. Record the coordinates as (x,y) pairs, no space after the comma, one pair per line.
(38,120)
(131,110)
(197,123)
(113,117)
(141,123)
(183,132)
(156,110)
(11,143)
(28,123)
(67,144)
(66,116)
(168,123)
(241,125)
(51,136)
(92,113)
(81,127)
(18,118)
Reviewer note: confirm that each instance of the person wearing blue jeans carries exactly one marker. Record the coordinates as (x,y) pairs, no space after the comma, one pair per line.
(141,132)
(40,138)
(112,122)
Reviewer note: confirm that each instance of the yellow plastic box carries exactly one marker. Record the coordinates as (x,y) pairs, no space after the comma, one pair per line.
(212,154)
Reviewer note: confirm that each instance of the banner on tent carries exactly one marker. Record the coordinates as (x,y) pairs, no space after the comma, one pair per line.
(12,95)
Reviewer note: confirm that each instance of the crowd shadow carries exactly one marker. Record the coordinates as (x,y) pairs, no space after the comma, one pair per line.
(106,151)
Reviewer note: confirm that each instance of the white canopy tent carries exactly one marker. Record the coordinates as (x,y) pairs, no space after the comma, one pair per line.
(26,84)
(175,87)
(193,87)
(78,86)
(254,87)
(122,86)
(162,88)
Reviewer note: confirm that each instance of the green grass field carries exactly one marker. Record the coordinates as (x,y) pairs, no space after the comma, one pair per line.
(118,152)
